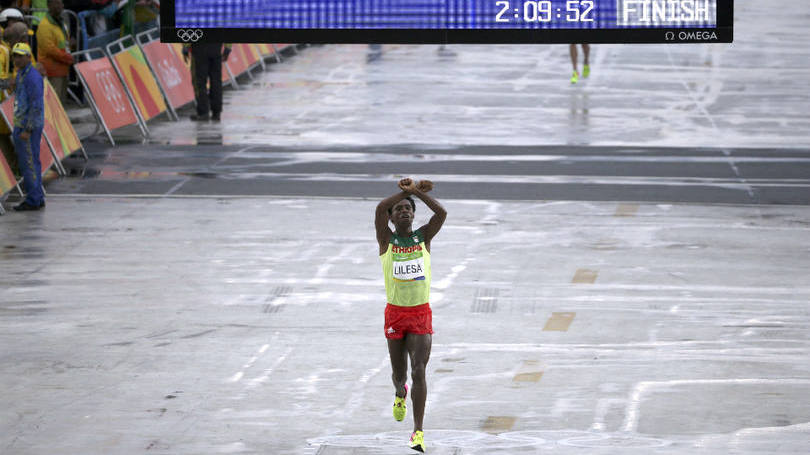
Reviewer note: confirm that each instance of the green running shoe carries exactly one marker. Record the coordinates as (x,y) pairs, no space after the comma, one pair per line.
(418,441)
(586,71)
(400,409)
(575,78)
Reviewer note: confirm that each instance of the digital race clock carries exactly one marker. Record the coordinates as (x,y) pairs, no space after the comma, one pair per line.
(449,21)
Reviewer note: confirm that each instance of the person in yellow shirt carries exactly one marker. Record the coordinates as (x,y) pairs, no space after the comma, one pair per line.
(5,65)
(5,133)
(53,48)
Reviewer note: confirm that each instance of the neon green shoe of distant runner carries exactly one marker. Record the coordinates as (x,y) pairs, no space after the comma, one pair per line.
(575,78)
(586,71)
(400,409)
(418,441)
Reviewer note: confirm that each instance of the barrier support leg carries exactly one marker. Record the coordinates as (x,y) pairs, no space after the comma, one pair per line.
(276,53)
(57,163)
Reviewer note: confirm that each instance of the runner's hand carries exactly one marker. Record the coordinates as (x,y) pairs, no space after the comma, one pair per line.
(407,185)
(424,186)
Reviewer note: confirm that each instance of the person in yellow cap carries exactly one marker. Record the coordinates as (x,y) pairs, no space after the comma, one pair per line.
(29,119)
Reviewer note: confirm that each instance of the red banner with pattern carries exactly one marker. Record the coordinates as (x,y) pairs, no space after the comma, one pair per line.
(140,82)
(237,61)
(107,92)
(172,74)
(58,128)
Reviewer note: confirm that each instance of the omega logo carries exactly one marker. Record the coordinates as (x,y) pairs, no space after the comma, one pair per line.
(691,36)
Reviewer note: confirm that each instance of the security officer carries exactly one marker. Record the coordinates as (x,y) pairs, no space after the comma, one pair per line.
(206,63)
(29,119)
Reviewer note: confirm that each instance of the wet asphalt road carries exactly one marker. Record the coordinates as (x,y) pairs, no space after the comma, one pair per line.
(640,174)
(707,123)
(623,269)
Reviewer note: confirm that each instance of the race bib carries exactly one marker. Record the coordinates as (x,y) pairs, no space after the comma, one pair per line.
(410,270)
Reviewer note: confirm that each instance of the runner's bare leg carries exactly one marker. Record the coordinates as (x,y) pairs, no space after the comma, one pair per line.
(419,351)
(572,51)
(399,364)
(586,49)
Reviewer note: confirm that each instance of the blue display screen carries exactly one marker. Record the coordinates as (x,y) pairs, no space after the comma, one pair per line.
(445,15)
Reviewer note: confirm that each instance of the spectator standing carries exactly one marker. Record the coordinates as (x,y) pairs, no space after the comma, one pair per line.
(207,61)
(11,16)
(15,33)
(29,119)
(38,5)
(5,82)
(53,48)
(18,33)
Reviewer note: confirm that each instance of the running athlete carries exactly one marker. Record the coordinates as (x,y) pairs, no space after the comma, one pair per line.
(405,256)
(586,69)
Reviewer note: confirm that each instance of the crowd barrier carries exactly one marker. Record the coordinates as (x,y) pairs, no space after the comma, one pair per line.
(59,132)
(131,66)
(237,63)
(106,94)
(47,157)
(172,75)
(59,139)
(128,83)
(227,77)
(7,180)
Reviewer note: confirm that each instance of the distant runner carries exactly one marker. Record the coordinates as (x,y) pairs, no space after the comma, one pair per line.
(586,69)
(405,256)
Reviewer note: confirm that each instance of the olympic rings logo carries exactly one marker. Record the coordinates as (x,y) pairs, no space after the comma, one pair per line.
(111,92)
(187,35)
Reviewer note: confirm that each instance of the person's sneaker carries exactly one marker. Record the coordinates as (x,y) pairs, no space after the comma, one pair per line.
(575,78)
(199,118)
(215,117)
(586,71)
(418,441)
(400,409)
(26,207)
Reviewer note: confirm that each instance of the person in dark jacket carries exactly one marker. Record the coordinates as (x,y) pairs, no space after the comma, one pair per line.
(206,64)
(29,119)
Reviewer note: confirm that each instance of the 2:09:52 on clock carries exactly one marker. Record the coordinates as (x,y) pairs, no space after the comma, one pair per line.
(544,11)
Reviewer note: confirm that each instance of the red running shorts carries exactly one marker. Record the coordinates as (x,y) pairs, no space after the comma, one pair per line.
(400,320)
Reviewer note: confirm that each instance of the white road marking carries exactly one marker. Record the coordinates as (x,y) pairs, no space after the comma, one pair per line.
(268,371)
(360,388)
(631,415)
(236,377)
